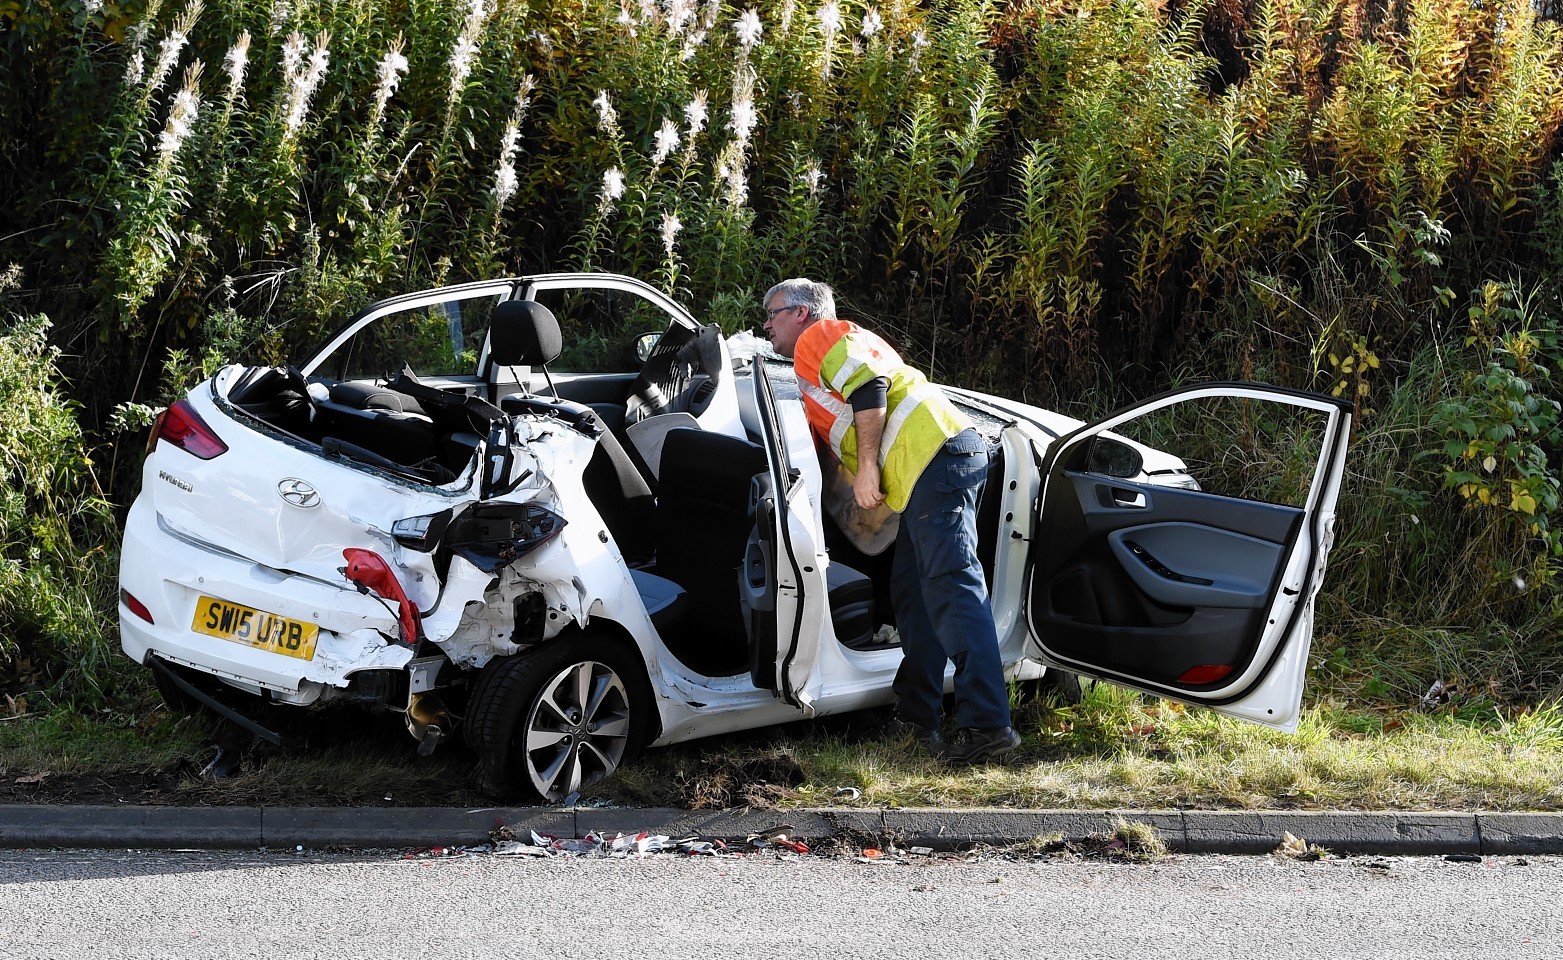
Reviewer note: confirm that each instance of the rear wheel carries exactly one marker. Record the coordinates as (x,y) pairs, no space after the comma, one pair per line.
(556,720)
(1061,685)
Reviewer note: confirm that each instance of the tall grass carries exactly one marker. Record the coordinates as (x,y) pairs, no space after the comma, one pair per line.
(56,543)
(1070,201)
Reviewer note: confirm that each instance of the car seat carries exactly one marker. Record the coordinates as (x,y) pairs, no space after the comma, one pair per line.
(526,333)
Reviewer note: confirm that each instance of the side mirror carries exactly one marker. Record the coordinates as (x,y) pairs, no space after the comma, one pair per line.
(644,344)
(1113,458)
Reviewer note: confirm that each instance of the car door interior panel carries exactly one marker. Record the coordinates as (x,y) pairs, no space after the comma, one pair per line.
(1164,583)
(1188,565)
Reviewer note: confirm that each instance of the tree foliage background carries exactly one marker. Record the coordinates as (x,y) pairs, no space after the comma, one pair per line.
(1074,202)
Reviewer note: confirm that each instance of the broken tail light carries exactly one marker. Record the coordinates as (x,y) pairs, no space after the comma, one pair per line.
(181,426)
(370,572)
(494,535)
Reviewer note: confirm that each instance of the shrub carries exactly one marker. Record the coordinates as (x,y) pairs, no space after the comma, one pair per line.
(57,541)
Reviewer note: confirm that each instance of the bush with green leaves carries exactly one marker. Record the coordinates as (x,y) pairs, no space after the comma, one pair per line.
(1073,202)
(58,542)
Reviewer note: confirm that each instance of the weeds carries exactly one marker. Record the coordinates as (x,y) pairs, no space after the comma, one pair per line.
(56,532)
(1072,206)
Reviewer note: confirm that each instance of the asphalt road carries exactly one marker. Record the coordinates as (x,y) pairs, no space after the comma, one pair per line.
(164,905)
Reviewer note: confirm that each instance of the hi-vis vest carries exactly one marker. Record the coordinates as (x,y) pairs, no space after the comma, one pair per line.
(835,357)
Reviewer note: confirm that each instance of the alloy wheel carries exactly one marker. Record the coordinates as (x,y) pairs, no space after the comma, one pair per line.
(576,731)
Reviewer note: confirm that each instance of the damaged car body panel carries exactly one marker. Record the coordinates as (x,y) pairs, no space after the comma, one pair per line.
(566,568)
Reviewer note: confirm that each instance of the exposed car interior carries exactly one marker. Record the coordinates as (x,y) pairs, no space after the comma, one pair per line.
(677,498)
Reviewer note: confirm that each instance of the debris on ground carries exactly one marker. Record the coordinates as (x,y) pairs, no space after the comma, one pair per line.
(1129,842)
(717,781)
(1296,848)
(622,846)
(1439,694)
(778,836)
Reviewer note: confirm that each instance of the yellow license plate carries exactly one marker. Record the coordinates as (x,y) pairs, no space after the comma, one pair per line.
(255,628)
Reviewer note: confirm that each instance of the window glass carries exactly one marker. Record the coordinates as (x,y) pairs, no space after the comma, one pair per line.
(599,328)
(1231,446)
(437,340)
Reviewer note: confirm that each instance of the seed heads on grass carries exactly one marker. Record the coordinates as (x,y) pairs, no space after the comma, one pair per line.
(301,77)
(666,139)
(679,14)
(671,225)
(695,113)
(829,17)
(393,66)
(281,13)
(465,49)
(743,121)
(873,23)
(235,62)
(612,186)
(607,117)
(135,61)
(748,29)
(181,117)
(505,178)
(173,44)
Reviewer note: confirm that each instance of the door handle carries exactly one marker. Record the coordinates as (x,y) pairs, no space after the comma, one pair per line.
(1129,498)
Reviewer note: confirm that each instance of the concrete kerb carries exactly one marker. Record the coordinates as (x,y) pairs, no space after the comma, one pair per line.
(1342,833)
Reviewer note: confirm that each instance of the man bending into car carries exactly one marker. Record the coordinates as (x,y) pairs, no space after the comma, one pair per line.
(910,449)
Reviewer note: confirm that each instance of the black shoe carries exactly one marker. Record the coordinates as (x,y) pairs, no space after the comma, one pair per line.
(927,736)
(973,744)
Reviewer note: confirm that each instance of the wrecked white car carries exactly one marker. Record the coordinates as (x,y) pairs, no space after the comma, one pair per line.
(565,568)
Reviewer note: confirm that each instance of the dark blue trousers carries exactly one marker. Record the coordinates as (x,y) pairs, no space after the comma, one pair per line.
(941,600)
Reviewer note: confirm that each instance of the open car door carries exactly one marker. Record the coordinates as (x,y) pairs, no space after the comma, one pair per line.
(1199,595)
(781,582)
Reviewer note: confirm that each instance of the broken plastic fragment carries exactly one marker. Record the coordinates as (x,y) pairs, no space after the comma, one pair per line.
(515,848)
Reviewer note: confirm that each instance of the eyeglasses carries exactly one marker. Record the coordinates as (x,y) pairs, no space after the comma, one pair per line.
(771,312)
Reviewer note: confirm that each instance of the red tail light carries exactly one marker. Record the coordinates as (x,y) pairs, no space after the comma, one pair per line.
(370,571)
(136,606)
(181,426)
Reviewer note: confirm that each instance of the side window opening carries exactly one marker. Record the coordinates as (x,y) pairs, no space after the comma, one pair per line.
(437,340)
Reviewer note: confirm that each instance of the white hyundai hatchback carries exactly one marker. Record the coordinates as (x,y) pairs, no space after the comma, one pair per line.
(568,567)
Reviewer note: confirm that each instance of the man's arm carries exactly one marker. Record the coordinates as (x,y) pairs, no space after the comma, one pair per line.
(868,422)
(870,426)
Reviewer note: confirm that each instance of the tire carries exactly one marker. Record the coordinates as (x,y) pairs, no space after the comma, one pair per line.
(1061,685)
(477,693)
(537,739)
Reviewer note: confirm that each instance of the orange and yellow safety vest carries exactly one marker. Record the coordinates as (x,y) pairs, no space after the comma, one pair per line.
(833,358)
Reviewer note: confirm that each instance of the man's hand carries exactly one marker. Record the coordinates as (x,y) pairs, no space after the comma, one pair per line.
(870,426)
(865,486)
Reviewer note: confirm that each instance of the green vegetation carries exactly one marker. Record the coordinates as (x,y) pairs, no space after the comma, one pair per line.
(1075,202)
(1113,750)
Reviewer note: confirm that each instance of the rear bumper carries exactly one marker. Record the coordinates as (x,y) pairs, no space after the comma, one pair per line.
(168,574)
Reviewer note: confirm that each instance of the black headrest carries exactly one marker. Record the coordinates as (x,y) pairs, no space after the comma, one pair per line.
(523,333)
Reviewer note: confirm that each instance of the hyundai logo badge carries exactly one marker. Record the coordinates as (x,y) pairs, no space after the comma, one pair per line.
(298,492)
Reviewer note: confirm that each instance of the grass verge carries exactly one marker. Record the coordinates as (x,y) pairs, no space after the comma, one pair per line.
(1112,750)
